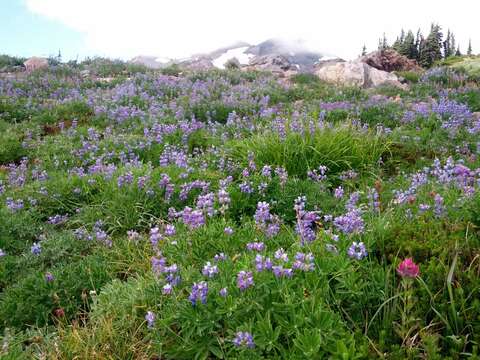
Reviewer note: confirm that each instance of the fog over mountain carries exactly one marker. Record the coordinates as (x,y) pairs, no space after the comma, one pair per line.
(296,52)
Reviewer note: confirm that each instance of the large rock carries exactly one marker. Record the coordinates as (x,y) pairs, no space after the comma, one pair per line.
(276,64)
(390,60)
(151,62)
(195,64)
(35,63)
(357,73)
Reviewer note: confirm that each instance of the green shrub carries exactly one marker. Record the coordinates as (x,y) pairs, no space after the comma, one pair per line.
(338,149)
(11,149)
(32,301)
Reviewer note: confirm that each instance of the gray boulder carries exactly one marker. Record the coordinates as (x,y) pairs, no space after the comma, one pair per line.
(356,73)
(277,64)
(35,63)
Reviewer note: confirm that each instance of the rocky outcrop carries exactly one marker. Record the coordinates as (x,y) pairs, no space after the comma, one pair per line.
(357,73)
(276,64)
(35,63)
(151,62)
(199,63)
(390,60)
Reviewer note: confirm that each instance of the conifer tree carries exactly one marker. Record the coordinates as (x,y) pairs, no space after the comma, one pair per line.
(469,50)
(453,45)
(409,48)
(432,50)
(458,53)
(447,51)
(364,50)
(418,43)
(383,43)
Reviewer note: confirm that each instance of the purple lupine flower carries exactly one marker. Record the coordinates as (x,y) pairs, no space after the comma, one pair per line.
(223,292)
(205,203)
(304,262)
(2,253)
(244,280)
(357,250)
(228,230)
(439,208)
(267,222)
(374,199)
(350,223)
(192,218)
(273,228)
(150,318)
(199,293)
(306,221)
(167,289)
(280,254)
(318,175)
(280,271)
(170,230)
(338,192)
(132,235)
(423,208)
(223,197)
(282,175)
(49,277)
(14,205)
(220,257)
(256,246)
(246,188)
(262,214)
(267,171)
(57,219)
(352,201)
(262,263)
(209,270)
(243,339)
(158,264)
(36,248)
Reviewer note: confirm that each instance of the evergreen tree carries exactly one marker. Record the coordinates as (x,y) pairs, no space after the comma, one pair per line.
(458,53)
(364,50)
(433,47)
(418,41)
(469,51)
(383,43)
(398,45)
(453,45)
(447,50)
(409,48)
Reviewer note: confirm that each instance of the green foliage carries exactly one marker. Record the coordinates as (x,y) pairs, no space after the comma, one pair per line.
(33,301)
(410,76)
(339,150)
(11,149)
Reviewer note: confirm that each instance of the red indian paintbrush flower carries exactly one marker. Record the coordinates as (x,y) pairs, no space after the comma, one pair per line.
(407,268)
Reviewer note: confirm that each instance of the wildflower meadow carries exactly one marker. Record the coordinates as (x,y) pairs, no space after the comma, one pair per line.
(237,215)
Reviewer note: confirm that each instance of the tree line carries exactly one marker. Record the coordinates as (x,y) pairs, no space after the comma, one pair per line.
(426,50)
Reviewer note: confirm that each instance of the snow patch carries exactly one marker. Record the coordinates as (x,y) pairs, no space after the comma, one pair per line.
(238,53)
(327,58)
(163,60)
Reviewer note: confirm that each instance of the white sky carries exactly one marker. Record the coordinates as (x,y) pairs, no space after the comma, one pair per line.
(178,28)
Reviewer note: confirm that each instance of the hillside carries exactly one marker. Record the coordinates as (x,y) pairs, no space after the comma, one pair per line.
(232,214)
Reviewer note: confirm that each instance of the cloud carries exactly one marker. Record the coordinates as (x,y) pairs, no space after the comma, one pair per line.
(125,28)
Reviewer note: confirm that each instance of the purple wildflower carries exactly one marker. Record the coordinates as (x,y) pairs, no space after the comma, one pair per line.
(244,339)
(209,270)
(199,293)
(36,248)
(357,251)
(244,280)
(150,318)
